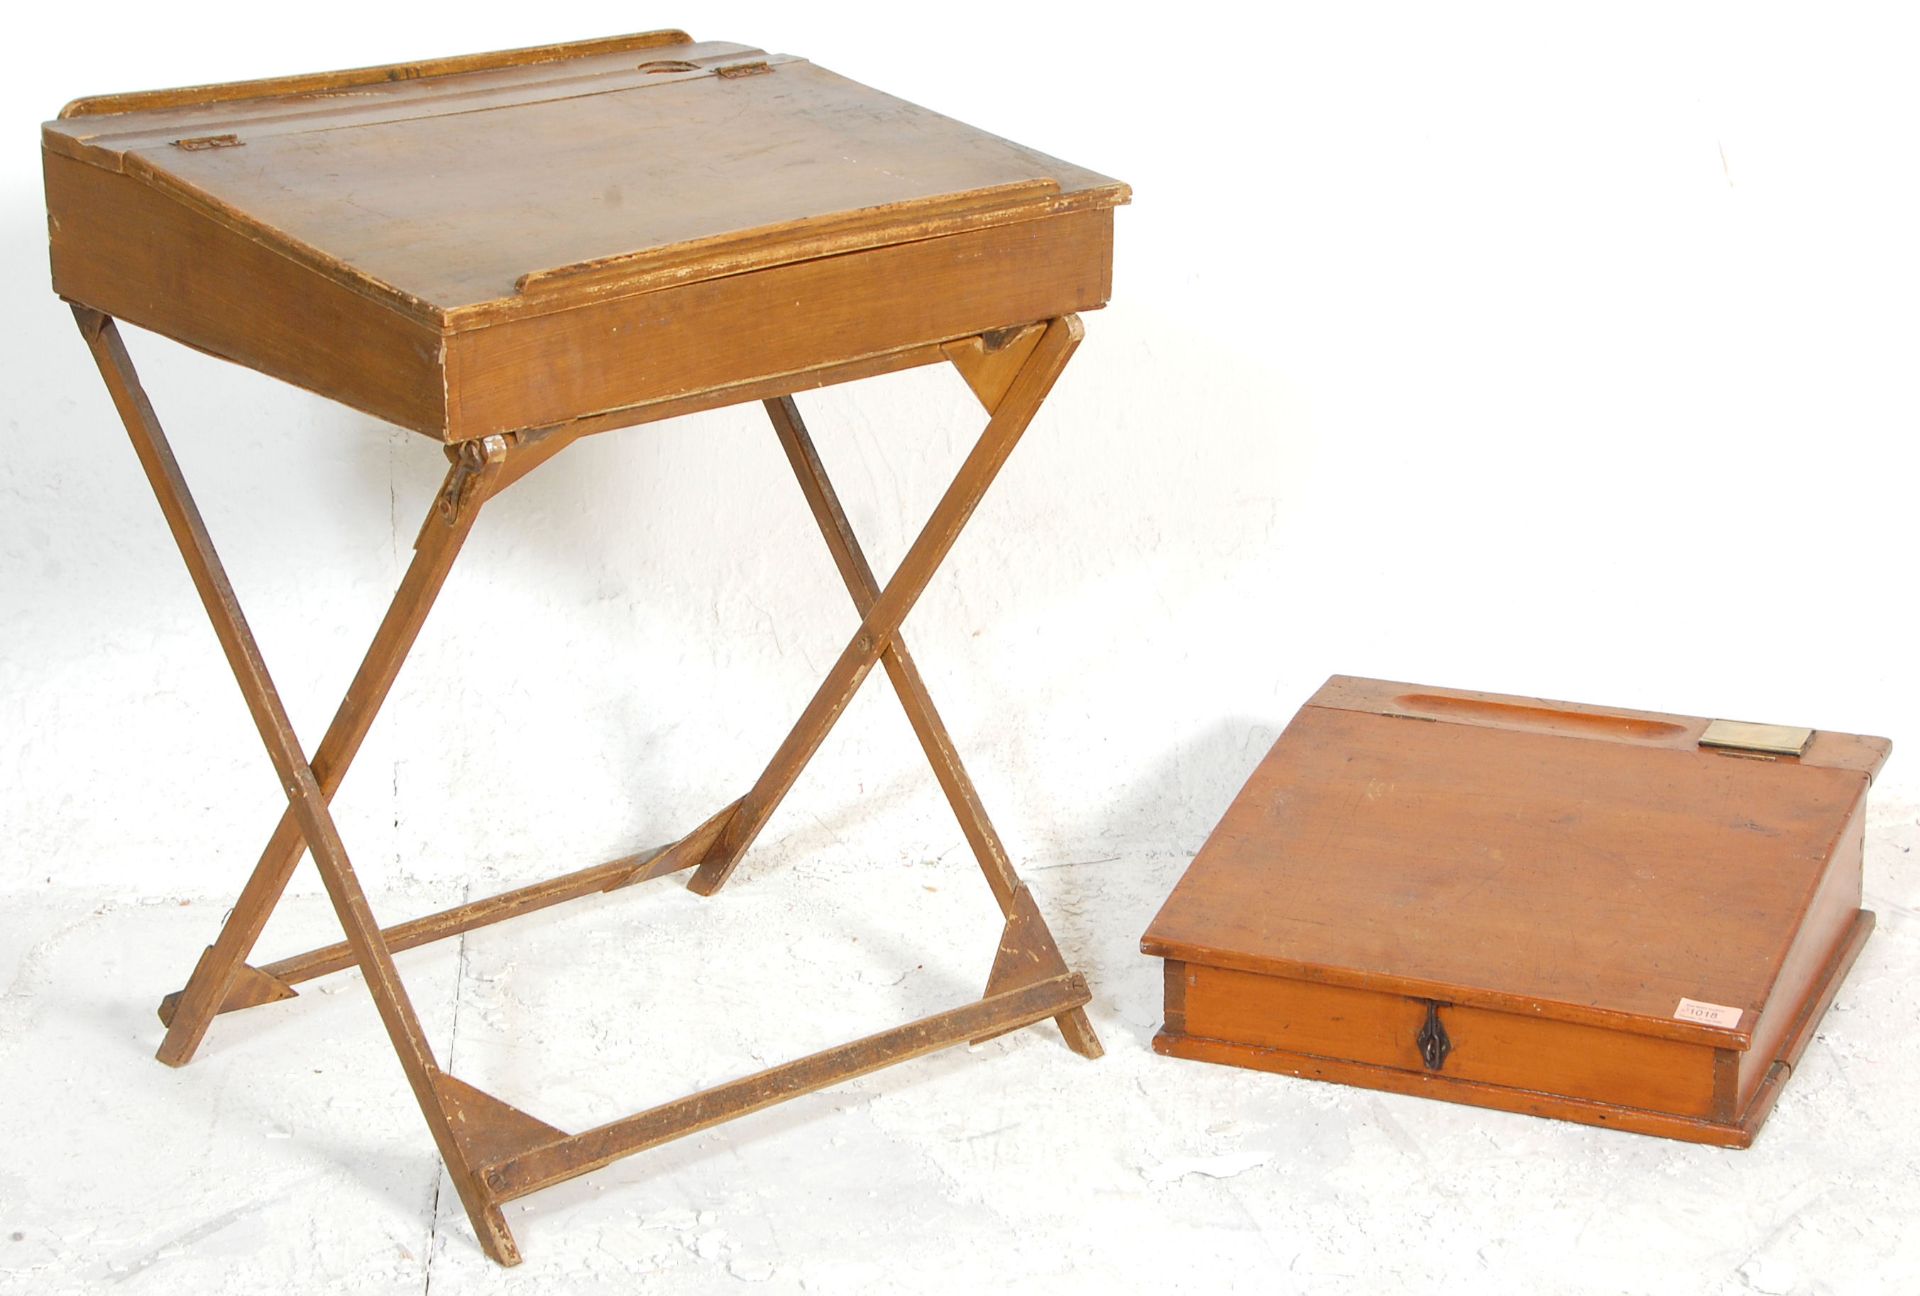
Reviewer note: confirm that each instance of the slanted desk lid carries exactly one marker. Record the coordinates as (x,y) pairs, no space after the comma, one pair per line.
(1570,862)
(483,188)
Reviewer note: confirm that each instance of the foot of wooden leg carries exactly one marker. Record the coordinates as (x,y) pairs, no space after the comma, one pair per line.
(1078,1031)
(1027,954)
(496,1239)
(249,988)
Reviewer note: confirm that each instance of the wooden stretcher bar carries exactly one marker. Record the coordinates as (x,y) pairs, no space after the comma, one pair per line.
(577,1154)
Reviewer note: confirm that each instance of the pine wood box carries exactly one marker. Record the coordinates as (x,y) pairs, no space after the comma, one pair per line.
(1542,907)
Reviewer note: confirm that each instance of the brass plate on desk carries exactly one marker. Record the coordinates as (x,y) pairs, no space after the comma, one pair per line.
(1739,735)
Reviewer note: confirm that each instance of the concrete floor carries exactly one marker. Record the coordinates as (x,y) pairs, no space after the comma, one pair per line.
(289,1158)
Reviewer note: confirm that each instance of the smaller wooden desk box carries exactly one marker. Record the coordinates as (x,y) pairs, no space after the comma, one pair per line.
(1615,917)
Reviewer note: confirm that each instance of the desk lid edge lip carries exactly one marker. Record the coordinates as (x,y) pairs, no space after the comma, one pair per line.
(805,238)
(375,74)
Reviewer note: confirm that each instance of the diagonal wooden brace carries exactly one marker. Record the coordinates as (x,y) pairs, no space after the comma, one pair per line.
(208,991)
(306,800)
(990,362)
(911,689)
(488,1129)
(882,619)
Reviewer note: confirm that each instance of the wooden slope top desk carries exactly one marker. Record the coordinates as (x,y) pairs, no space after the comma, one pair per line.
(1618,917)
(507,252)
(509,242)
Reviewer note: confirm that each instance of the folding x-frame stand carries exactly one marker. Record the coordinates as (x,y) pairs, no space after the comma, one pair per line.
(494,1151)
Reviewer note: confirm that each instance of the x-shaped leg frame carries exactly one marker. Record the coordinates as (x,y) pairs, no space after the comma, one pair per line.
(493,1151)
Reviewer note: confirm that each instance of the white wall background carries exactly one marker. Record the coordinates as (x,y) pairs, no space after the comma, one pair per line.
(1547,351)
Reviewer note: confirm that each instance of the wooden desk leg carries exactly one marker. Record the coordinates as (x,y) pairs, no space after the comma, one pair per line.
(882,620)
(911,689)
(492,1151)
(218,982)
(305,798)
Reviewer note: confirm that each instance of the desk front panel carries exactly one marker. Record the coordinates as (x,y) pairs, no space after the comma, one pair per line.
(674,343)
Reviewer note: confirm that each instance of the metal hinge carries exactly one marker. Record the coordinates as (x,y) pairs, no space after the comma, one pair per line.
(195,143)
(729,70)
(469,457)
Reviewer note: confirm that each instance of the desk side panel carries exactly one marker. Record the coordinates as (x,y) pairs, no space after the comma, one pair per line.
(677,342)
(1804,968)
(121,247)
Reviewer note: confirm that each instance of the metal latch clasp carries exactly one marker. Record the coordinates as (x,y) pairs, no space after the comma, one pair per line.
(1432,1039)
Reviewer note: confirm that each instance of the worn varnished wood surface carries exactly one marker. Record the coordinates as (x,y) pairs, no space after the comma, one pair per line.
(682,340)
(510,252)
(491,244)
(1556,877)
(130,251)
(1596,877)
(1028,945)
(1378,1028)
(471,187)
(1734,1124)
(1827,750)
(356,80)
(493,1150)
(306,799)
(881,618)
(439,543)
(554,1162)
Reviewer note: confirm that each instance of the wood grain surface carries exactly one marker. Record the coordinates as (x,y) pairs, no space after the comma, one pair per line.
(608,231)
(448,193)
(509,252)
(1597,877)
(1506,901)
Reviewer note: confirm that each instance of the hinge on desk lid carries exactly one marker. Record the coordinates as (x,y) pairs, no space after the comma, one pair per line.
(1772,740)
(753,67)
(195,143)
